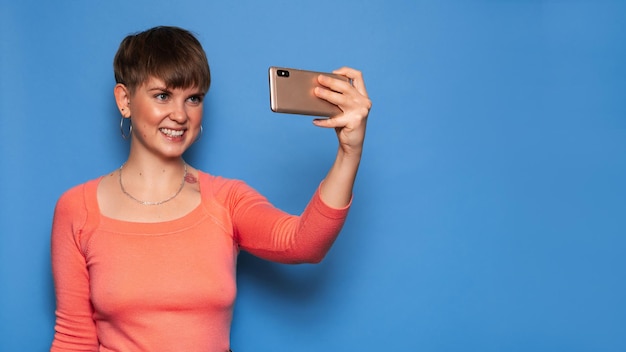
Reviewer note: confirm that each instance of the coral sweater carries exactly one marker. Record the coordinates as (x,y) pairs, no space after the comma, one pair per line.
(170,286)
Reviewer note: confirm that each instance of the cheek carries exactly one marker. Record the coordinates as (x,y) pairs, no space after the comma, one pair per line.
(142,130)
(196,116)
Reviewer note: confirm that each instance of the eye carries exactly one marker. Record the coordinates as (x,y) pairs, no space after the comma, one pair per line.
(161,96)
(195,99)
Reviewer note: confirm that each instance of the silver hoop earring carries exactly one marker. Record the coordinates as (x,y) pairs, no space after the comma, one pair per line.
(199,136)
(130,128)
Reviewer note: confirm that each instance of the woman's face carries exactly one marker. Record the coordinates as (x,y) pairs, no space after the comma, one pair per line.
(165,121)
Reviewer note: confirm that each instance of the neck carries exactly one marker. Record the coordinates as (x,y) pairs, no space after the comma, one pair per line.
(154,170)
(152,183)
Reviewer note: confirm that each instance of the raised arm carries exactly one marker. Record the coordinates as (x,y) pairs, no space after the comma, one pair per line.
(352,99)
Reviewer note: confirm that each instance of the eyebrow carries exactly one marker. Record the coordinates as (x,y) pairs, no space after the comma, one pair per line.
(168,90)
(159,88)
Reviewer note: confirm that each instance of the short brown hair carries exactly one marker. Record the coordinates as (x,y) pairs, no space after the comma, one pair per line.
(171,54)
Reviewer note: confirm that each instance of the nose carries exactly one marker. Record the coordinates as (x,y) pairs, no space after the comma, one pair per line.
(179,113)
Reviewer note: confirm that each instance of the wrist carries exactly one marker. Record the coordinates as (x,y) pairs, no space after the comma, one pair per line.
(349,153)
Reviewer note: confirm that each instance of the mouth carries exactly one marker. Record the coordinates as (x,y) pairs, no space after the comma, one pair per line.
(172,133)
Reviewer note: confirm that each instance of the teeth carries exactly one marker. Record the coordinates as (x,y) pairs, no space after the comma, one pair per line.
(171,133)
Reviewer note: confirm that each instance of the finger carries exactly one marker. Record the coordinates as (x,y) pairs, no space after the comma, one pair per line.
(330,95)
(356,76)
(333,122)
(335,84)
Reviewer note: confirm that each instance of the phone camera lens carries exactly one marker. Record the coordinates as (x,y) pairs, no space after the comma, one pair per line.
(283,73)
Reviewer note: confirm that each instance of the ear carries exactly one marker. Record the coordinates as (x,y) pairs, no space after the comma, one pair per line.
(122,98)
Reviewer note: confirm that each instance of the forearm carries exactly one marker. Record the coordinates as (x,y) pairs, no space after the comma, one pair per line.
(349,125)
(336,190)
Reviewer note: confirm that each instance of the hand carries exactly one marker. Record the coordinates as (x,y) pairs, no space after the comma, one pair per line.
(354,104)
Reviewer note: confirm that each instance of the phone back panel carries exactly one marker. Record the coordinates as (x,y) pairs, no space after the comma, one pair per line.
(293,93)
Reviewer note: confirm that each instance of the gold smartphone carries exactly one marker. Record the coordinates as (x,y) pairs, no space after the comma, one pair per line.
(291,92)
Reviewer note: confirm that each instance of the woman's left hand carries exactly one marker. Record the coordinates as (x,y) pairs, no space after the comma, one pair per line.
(355,105)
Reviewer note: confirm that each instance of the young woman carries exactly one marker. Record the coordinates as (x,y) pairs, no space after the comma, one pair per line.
(144,258)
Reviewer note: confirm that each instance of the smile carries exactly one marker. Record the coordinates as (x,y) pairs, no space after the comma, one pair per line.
(171,133)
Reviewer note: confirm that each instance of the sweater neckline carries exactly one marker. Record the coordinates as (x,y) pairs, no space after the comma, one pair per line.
(152,228)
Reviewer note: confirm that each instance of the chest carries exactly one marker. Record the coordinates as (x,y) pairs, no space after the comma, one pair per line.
(190,270)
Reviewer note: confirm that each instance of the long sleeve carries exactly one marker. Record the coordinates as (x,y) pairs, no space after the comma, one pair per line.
(128,286)
(272,234)
(74,329)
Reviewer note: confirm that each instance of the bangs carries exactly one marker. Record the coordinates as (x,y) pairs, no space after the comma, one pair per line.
(171,54)
(176,71)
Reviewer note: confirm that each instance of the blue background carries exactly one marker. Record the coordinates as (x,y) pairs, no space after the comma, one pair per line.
(490,208)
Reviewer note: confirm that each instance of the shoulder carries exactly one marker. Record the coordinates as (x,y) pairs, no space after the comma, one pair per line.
(225,190)
(76,194)
(75,202)
(219,184)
